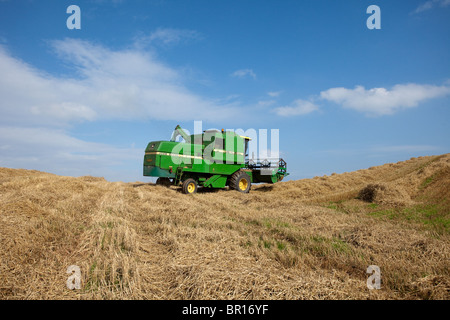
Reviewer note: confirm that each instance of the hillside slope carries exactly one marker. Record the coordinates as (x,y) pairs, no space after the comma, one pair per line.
(305,239)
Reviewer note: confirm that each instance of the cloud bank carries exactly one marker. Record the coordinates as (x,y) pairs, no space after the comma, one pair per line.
(382,101)
(371,102)
(37,109)
(243,73)
(106,84)
(432,4)
(168,36)
(297,108)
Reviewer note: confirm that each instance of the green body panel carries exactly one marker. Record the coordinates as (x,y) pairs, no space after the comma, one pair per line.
(209,158)
(216,181)
(157,172)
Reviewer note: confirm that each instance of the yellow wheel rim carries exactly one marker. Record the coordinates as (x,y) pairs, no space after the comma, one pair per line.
(191,187)
(243,184)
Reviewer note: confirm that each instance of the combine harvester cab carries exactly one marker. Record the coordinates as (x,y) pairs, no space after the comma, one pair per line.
(213,159)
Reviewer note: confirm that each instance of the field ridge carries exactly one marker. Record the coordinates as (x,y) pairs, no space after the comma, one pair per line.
(301,239)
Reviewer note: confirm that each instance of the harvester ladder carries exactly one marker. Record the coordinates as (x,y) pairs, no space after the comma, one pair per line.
(178,175)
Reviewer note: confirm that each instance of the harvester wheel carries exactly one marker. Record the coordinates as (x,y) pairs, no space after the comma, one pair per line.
(240,181)
(189,186)
(162,181)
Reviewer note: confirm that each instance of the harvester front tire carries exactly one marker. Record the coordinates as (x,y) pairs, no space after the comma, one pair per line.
(189,186)
(240,181)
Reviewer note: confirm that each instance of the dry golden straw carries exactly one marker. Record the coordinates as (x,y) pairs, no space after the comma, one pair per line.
(305,239)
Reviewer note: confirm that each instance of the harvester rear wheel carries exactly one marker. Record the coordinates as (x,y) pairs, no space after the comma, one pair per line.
(240,181)
(189,186)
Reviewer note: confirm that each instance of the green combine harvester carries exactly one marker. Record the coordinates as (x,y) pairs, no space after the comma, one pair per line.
(213,159)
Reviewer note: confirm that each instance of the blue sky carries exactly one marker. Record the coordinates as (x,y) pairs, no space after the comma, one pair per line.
(344,97)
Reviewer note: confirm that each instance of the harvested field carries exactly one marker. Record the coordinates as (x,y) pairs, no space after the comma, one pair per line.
(304,239)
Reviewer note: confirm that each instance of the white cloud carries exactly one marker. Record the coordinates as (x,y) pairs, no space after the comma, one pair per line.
(274,93)
(55,151)
(298,107)
(168,36)
(244,73)
(381,101)
(265,103)
(106,84)
(65,111)
(37,109)
(431,4)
